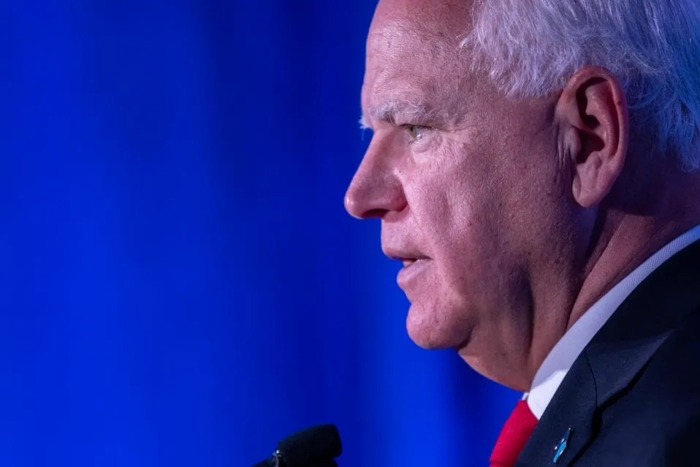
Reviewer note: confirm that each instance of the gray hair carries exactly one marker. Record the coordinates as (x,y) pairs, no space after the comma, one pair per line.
(530,48)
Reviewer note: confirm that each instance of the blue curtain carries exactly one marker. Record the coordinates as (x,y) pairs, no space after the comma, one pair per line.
(181,284)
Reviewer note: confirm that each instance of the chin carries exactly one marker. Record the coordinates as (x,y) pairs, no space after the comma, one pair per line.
(432,330)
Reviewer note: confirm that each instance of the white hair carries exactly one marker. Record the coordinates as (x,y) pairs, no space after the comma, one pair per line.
(530,48)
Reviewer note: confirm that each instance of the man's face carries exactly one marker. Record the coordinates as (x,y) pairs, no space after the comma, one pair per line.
(465,182)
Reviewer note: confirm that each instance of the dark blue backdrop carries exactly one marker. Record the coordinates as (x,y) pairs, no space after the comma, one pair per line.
(181,284)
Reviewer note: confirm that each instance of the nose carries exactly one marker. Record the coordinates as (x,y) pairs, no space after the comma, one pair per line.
(376,188)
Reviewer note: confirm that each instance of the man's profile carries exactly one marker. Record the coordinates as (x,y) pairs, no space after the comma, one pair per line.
(536,167)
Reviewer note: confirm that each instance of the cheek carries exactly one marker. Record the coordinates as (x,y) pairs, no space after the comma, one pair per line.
(458,209)
(454,221)
(455,204)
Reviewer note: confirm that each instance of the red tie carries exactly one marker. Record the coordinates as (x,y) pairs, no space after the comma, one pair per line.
(514,435)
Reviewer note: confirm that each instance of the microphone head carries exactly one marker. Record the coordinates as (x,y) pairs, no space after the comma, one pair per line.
(310,446)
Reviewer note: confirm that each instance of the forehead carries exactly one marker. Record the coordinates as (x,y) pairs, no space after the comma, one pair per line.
(440,17)
(413,52)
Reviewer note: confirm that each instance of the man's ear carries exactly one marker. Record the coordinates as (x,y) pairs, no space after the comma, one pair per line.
(594,132)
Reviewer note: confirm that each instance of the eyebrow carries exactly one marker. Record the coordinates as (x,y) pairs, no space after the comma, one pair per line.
(390,111)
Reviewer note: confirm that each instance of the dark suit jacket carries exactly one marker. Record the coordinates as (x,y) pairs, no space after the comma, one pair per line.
(632,398)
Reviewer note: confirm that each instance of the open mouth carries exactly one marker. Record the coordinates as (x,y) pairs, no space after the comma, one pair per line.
(412,268)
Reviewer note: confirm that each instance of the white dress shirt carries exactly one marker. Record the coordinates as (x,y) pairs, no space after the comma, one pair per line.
(559,360)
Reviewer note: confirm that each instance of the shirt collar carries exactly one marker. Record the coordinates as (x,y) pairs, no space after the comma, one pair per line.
(557,363)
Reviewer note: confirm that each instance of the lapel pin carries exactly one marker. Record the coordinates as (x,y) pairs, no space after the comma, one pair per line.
(561,447)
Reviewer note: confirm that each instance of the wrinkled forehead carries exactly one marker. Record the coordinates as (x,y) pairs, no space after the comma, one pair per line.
(413,51)
(446,19)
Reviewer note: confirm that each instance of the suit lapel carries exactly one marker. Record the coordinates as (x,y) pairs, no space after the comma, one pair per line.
(613,358)
(572,419)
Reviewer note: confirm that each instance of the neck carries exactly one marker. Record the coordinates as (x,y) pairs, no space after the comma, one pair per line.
(634,239)
(632,228)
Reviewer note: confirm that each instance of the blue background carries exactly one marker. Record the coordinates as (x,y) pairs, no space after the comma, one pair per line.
(181,284)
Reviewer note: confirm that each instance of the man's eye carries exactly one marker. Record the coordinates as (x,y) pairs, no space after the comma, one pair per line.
(415,132)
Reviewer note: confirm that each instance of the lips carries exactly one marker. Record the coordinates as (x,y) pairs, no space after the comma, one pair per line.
(412,260)
(412,269)
(404,254)
(409,262)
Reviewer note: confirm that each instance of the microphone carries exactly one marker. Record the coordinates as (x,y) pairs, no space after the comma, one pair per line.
(317,446)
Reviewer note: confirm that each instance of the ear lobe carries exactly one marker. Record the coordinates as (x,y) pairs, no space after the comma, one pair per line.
(592,111)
